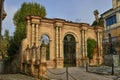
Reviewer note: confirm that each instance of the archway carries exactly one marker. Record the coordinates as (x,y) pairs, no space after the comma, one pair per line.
(69,50)
(46,40)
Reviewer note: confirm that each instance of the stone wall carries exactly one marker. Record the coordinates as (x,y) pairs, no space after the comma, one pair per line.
(56,30)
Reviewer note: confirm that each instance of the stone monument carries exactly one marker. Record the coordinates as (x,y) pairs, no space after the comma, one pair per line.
(111,57)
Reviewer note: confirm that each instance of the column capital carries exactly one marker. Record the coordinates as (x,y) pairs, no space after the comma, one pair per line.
(59,24)
(84,26)
(99,29)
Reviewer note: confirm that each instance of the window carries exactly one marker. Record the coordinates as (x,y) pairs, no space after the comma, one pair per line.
(111,20)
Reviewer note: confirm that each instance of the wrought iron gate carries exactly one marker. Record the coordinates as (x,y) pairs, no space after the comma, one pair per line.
(69,50)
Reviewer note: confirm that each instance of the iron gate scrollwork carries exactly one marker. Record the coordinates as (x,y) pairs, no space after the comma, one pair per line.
(69,50)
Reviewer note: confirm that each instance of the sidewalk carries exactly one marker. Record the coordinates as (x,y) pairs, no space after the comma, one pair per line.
(105,70)
(78,73)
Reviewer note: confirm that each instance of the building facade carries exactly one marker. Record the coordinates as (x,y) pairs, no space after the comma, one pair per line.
(112,23)
(66,44)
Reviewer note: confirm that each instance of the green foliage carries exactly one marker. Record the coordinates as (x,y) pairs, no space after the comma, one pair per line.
(33,9)
(4,44)
(91,45)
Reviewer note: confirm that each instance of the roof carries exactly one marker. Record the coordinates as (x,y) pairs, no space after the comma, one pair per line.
(110,10)
(107,11)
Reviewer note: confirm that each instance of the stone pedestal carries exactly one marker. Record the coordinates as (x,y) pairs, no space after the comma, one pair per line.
(111,59)
(43,69)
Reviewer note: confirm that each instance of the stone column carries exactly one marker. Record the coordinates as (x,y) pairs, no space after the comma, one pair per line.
(33,34)
(85,43)
(82,48)
(97,58)
(33,58)
(37,35)
(38,55)
(28,28)
(32,68)
(82,36)
(101,44)
(43,64)
(98,35)
(100,47)
(59,42)
(34,53)
(27,53)
(56,41)
(61,46)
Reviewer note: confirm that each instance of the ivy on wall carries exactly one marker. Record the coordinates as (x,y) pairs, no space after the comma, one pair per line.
(91,45)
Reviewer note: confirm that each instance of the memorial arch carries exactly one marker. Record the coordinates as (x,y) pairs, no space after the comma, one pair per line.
(61,33)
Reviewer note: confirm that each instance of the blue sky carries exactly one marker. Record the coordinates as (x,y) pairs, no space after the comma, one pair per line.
(73,10)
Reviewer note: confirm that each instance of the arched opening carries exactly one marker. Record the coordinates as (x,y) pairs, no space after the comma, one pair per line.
(69,50)
(46,40)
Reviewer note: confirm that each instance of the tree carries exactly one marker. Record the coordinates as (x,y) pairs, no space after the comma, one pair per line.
(91,45)
(26,9)
(4,44)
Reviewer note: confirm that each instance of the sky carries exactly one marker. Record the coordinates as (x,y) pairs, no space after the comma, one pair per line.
(72,10)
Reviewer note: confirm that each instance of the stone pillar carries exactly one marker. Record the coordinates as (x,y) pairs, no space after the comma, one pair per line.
(43,65)
(82,47)
(100,47)
(59,38)
(37,35)
(38,55)
(28,28)
(56,42)
(97,57)
(34,53)
(28,53)
(61,43)
(33,34)
(33,58)
(82,42)
(32,68)
(85,43)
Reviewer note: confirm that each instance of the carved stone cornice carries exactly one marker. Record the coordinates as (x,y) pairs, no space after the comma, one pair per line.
(99,29)
(84,26)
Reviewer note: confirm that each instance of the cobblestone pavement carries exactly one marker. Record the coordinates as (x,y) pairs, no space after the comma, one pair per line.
(15,77)
(76,73)
(105,70)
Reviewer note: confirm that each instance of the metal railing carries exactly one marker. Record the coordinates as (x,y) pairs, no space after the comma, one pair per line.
(68,75)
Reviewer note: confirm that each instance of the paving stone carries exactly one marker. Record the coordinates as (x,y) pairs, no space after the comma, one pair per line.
(77,73)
